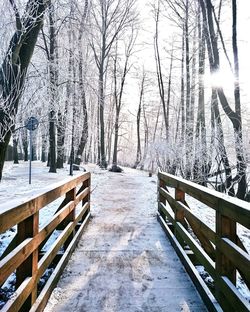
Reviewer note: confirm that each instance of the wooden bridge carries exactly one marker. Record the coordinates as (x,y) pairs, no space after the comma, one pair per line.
(123,261)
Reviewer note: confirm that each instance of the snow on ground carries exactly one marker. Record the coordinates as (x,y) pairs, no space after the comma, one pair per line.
(207,215)
(123,261)
(15,185)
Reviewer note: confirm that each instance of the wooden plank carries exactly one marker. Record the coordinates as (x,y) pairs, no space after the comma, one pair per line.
(15,258)
(16,211)
(23,250)
(234,208)
(56,220)
(234,300)
(167,196)
(228,255)
(83,196)
(9,248)
(20,296)
(54,278)
(197,229)
(204,259)
(163,210)
(210,234)
(208,298)
(203,237)
(237,256)
(48,257)
(25,288)
(225,227)
(240,244)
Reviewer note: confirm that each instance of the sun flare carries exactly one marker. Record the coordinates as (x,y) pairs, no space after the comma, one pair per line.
(221,78)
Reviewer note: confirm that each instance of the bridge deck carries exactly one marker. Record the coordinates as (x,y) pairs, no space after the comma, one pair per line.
(124,261)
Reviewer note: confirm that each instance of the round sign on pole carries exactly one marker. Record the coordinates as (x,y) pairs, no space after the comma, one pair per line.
(32,124)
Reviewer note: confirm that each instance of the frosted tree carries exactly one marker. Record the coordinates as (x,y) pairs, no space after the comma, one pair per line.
(109,19)
(15,65)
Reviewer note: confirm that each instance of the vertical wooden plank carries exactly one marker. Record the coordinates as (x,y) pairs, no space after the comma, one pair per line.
(70,196)
(26,229)
(85,200)
(179,214)
(161,198)
(225,227)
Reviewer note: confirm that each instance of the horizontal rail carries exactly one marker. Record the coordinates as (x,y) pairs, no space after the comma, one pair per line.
(25,254)
(230,207)
(219,251)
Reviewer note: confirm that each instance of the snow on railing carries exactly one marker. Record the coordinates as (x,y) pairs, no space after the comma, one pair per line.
(26,256)
(220,252)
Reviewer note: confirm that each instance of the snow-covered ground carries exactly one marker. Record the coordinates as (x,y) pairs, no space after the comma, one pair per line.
(15,185)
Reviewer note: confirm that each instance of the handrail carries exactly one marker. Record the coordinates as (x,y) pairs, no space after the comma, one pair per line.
(221,252)
(25,255)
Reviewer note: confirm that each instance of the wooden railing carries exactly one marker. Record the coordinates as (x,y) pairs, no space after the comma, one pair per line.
(25,254)
(220,252)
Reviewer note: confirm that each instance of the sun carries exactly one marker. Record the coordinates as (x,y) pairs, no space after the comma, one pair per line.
(222,78)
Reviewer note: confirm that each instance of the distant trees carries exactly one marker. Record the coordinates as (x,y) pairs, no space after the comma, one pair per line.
(77,86)
(233,115)
(200,133)
(109,19)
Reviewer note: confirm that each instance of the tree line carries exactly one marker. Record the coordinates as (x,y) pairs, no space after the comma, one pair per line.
(70,63)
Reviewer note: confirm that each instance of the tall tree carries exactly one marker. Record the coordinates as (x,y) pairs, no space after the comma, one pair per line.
(82,74)
(110,18)
(138,120)
(119,88)
(14,68)
(159,70)
(233,115)
(53,88)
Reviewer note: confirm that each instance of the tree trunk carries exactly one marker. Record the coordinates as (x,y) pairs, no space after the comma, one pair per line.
(103,163)
(234,116)
(189,128)
(159,72)
(14,69)
(211,41)
(84,133)
(241,163)
(200,164)
(138,123)
(53,88)
(15,151)
(44,145)
(25,144)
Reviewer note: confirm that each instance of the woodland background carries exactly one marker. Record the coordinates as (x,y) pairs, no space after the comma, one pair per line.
(146,84)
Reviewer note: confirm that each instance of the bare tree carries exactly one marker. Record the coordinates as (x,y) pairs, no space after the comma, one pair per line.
(119,88)
(233,115)
(14,68)
(110,18)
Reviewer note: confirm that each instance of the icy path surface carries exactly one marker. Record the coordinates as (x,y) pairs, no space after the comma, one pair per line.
(123,262)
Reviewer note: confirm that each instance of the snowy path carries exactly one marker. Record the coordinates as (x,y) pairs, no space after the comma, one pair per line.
(123,261)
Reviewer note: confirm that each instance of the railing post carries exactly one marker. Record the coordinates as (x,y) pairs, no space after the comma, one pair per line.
(179,213)
(86,184)
(28,229)
(225,228)
(70,196)
(161,199)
